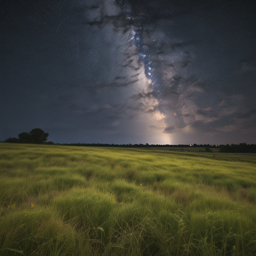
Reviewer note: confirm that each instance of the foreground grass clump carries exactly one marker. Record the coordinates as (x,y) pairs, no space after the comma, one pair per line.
(63,200)
(37,232)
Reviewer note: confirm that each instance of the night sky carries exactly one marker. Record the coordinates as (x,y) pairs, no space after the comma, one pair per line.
(129,71)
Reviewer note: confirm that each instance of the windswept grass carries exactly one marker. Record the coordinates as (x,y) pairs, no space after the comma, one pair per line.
(62,200)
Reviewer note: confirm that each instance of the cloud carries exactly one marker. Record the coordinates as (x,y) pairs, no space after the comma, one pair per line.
(119,82)
(246,119)
(145,108)
(197,87)
(206,115)
(143,95)
(188,129)
(170,129)
(228,128)
(247,115)
(156,128)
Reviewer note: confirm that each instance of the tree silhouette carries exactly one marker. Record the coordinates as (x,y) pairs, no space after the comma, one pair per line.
(38,136)
(24,137)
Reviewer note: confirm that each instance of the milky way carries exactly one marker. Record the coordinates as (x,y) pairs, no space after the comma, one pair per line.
(151,73)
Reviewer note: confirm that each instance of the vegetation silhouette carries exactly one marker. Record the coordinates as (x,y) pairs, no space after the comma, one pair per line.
(238,148)
(233,148)
(38,136)
(35,136)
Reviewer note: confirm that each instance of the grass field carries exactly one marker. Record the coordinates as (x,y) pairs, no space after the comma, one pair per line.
(66,200)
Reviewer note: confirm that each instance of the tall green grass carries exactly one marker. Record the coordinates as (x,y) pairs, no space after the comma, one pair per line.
(63,200)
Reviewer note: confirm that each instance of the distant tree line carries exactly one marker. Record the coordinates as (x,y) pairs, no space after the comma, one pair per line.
(140,145)
(235,148)
(238,148)
(35,136)
(38,136)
